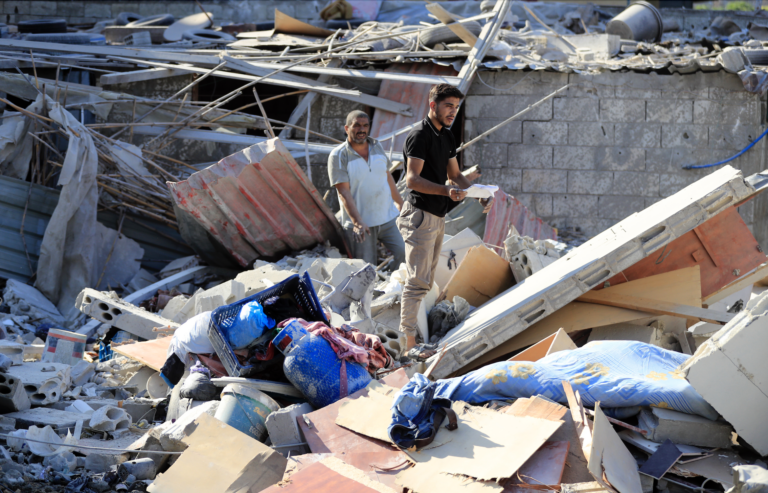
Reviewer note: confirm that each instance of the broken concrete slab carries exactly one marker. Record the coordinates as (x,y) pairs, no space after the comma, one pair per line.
(172,437)
(44,383)
(44,416)
(188,310)
(110,418)
(589,266)
(223,294)
(173,307)
(729,371)
(110,309)
(259,279)
(284,431)
(683,428)
(526,255)
(649,334)
(25,300)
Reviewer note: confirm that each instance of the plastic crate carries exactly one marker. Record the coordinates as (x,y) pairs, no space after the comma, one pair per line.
(300,287)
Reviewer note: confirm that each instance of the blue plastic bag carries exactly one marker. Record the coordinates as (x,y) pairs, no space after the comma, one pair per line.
(248,327)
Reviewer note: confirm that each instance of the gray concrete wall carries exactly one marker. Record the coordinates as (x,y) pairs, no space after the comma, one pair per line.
(84,12)
(613,144)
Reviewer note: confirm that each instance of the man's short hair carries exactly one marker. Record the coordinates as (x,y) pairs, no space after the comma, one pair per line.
(442,91)
(354,115)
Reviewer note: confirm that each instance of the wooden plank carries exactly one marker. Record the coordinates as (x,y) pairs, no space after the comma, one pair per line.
(450,20)
(680,286)
(139,76)
(657,307)
(755,276)
(150,353)
(481,276)
(559,341)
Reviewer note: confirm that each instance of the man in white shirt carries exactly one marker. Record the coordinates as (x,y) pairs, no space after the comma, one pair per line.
(370,202)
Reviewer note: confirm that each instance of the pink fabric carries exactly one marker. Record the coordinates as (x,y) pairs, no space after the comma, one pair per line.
(349,343)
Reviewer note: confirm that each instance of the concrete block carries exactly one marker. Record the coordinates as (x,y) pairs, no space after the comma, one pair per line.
(110,309)
(44,382)
(574,205)
(527,256)
(284,430)
(576,109)
(542,205)
(492,156)
(546,181)
(45,416)
(13,397)
(503,107)
(683,428)
(620,159)
(730,373)
(672,160)
(173,307)
(333,127)
(17,7)
(509,180)
(43,8)
(82,372)
(690,136)
(594,86)
(670,184)
(151,8)
(637,134)
(590,134)
(634,89)
(101,463)
(614,207)
(171,437)
(635,183)
(590,182)
(511,133)
(726,113)
(670,111)
(545,133)
(188,310)
(735,137)
(649,334)
(259,279)
(516,82)
(100,10)
(622,110)
(70,9)
(571,157)
(528,157)
(110,418)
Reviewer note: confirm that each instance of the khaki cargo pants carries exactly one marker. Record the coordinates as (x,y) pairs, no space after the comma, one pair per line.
(423,236)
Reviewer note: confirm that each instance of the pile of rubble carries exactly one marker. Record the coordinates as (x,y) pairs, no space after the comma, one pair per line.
(610,366)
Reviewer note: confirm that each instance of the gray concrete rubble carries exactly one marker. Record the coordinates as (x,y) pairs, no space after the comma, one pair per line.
(109,309)
(284,431)
(683,428)
(729,371)
(526,255)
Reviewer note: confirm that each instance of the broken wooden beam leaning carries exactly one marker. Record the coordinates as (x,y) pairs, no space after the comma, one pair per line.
(590,265)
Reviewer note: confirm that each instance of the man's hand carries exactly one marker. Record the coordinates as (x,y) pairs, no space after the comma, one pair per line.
(487,204)
(360,230)
(456,194)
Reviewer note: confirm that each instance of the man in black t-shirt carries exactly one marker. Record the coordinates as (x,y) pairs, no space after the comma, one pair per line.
(430,152)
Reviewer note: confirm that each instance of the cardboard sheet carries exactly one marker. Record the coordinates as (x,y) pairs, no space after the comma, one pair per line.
(150,353)
(243,464)
(487,444)
(610,455)
(370,414)
(481,276)
(422,478)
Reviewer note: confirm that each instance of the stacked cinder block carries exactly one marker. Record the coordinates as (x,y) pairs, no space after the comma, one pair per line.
(611,145)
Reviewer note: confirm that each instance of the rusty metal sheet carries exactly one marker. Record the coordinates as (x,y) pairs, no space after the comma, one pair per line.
(258,203)
(412,93)
(723,248)
(508,211)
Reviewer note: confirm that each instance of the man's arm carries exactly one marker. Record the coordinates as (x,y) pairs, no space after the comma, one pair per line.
(393,190)
(348,203)
(415,182)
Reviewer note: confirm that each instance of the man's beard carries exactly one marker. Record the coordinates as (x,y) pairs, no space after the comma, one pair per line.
(359,140)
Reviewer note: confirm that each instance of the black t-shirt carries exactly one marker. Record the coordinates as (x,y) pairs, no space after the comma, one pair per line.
(435,148)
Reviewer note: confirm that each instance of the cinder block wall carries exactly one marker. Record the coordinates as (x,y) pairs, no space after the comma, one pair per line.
(613,143)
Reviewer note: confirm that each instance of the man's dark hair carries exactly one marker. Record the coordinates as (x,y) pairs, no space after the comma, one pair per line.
(442,91)
(354,115)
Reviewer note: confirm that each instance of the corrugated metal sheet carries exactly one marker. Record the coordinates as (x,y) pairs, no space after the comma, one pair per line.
(161,244)
(416,95)
(258,203)
(506,211)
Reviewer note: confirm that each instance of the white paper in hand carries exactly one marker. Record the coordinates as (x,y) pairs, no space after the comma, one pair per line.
(481,191)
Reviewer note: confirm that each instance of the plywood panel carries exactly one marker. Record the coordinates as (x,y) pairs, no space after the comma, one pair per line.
(481,276)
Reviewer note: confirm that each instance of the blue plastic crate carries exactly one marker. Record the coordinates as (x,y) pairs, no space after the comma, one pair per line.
(300,287)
